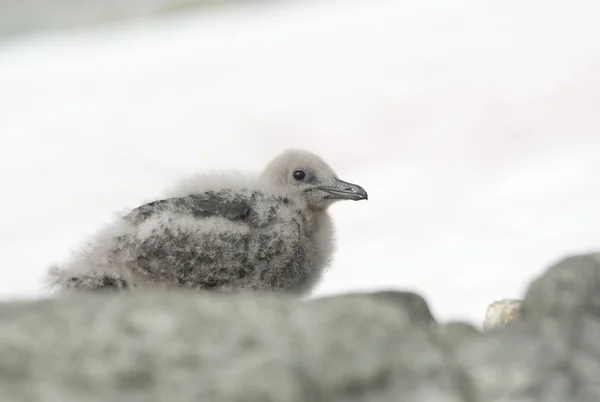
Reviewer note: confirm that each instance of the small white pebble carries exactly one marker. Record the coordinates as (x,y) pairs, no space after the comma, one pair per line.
(500,313)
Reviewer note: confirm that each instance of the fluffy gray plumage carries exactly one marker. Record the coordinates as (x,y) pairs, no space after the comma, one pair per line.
(221,232)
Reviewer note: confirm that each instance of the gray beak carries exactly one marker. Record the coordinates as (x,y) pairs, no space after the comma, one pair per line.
(345,191)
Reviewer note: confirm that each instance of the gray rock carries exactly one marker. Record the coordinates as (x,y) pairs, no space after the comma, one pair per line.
(183,347)
(552,352)
(408,302)
(531,362)
(180,347)
(456,332)
(571,286)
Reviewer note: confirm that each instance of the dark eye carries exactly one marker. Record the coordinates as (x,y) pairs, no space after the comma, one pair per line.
(299,174)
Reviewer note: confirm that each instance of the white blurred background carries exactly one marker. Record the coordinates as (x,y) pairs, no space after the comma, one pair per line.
(474,126)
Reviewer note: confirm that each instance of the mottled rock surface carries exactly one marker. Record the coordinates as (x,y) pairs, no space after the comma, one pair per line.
(380,347)
(572,286)
(181,347)
(552,353)
(408,302)
(454,333)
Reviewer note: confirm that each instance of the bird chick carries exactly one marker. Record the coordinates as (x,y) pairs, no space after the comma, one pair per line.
(226,232)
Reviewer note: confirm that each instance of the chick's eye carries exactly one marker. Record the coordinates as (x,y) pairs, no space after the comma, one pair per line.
(299,174)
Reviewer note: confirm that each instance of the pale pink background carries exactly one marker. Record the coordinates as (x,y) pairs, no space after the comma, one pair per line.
(474,127)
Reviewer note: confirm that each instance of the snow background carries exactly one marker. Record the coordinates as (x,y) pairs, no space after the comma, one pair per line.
(474,126)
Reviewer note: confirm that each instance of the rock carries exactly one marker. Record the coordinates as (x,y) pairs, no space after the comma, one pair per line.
(569,287)
(184,347)
(454,333)
(552,352)
(500,313)
(380,347)
(409,302)
(529,362)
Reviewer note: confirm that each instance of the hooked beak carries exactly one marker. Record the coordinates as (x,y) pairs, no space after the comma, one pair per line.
(342,190)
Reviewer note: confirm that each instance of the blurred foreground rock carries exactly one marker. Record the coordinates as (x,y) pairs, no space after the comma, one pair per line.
(25,16)
(382,346)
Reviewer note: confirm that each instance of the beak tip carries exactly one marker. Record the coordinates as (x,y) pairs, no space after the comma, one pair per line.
(362,193)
